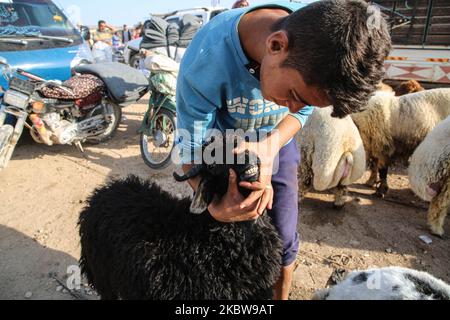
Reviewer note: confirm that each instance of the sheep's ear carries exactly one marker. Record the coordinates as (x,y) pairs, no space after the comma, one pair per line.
(199,205)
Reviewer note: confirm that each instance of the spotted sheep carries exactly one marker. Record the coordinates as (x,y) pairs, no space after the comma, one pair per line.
(393,283)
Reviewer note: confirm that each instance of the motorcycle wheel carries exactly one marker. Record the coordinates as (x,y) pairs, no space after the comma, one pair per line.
(112,127)
(6,132)
(156,150)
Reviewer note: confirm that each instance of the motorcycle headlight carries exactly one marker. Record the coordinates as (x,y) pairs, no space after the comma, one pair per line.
(16,99)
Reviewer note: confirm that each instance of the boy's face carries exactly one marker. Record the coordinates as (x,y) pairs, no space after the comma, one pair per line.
(285,85)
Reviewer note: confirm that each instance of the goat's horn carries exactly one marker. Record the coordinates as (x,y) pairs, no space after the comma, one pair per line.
(194,172)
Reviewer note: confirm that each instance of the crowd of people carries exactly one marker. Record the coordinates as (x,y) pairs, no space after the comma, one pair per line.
(110,35)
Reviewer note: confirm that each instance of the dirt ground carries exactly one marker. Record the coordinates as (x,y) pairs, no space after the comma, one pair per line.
(44,188)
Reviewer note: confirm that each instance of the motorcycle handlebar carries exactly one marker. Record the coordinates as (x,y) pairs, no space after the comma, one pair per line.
(30,75)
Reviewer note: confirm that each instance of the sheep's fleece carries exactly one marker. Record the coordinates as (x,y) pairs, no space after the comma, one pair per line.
(333,149)
(430,163)
(140,243)
(395,126)
(392,283)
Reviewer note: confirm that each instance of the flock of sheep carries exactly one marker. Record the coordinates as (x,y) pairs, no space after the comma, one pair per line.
(413,128)
(150,245)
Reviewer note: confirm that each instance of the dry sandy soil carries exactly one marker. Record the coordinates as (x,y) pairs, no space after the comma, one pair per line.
(43,190)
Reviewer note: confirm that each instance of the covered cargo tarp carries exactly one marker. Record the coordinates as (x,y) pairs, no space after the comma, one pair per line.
(158,33)
(189,26)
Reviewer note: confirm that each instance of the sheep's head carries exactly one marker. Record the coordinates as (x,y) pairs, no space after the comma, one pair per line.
(408,87)
(217,160)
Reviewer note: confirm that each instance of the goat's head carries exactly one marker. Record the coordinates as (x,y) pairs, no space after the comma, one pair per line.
(217,160)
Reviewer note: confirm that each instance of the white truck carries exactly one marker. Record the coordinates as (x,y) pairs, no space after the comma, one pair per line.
(420,31)
(131,51)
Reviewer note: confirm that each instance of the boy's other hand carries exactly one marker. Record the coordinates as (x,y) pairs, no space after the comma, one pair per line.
(228,209)
(262,189)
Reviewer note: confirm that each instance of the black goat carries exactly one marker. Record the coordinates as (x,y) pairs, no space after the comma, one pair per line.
(138,242)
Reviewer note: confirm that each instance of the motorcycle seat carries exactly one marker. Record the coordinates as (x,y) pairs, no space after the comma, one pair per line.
(125,84)
(78,87)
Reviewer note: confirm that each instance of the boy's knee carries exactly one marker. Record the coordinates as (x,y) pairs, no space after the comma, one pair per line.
(290,251)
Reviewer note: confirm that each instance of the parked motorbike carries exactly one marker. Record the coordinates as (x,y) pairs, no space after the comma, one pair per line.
(157,132)
(86,108)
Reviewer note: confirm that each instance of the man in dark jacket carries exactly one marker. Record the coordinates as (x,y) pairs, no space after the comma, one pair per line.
(126,34)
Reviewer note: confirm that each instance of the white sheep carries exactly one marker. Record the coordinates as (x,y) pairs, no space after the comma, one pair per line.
(333,155)
(392,283)
(393,127)
(429,174)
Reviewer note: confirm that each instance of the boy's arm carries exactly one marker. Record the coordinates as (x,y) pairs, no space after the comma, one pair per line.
(303,115)
(291,125)
(270,148)
(195,116)
(281,135)
(284,132)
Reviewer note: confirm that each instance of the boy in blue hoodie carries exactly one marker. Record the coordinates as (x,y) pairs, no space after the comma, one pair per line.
(261,69)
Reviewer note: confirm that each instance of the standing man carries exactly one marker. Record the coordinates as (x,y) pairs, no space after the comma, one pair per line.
(261,69)
(240,4)
(104,33)
(126,34)
(138,31)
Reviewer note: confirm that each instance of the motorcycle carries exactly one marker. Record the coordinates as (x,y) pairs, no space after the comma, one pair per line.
(86,108)
(157,132)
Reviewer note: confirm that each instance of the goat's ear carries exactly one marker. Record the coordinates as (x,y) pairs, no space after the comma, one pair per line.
(199,205)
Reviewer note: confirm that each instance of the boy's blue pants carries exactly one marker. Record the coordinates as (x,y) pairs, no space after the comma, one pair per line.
(285,210)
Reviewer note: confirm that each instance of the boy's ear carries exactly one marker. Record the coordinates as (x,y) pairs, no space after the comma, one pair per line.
(278,42)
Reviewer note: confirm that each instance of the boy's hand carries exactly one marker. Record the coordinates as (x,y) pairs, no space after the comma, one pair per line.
(262,190)
(228,210)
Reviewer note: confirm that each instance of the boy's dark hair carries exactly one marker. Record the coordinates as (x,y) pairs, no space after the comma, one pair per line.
(339,46)
(101,21)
